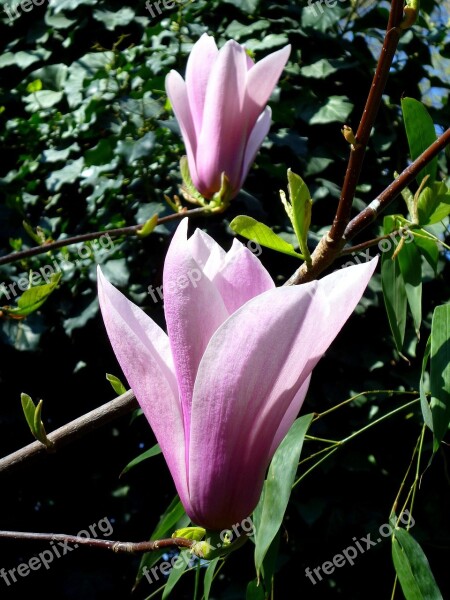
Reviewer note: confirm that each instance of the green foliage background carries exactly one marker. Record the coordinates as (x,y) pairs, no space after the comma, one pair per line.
(89,143)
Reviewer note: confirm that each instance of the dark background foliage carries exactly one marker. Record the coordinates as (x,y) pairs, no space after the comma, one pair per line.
(97,147)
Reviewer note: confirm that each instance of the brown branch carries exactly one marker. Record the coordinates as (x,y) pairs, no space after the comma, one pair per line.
(332,243)
(371,212)
(73,430)
(370,112)
(86,237)
(128,547)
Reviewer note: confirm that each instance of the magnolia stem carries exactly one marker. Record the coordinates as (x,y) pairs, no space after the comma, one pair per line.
(73,430)
(86,237)
(371,212)
(358,149)
(128,547)
(332,243)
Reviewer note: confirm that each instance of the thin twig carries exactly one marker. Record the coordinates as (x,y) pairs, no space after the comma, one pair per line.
(75,541)
(86,237)
(332,242)
(358,149)
(73,430)
(371,212)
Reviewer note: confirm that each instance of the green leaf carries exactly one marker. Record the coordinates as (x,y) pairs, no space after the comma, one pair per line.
(153,451)
(174,516)
(116,384)
(428,248)
(424,405)
(33,417)
(209,576)
(412,568)
(410,263)
(299,210)
(440,372)
(258,232)
(147,227)
(101,154)
(278,486)
(319,70)
(421,134)
(31,300)
(34,86)
(180,565)
(255,591)
(394,294)
(336,108)
(111,19)
(29,409)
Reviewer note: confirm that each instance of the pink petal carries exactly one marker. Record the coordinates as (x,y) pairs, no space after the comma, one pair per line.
(241,277)
(262,79)
(194,309)
(201,60)
(261,358)
(177,93)
(143,352)
(237,274)
(224,130)
(259,132)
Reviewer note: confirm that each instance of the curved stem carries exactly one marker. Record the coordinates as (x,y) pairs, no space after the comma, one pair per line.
(86,237)
(371,212)
(76,541)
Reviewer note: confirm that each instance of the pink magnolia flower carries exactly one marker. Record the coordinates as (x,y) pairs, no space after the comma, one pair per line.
(221,109)
(221,390)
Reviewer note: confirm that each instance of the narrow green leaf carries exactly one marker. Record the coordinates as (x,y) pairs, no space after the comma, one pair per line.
(154,451)
(421,134)
(29,409)
(33,417)
(301,210)
(179,567)
(410,263)
(424,405)
(263,235)
(394,294)
(148,227)
(116,384)
(209,577)
(174,517)
(440,372)
(412,568)
(278,486)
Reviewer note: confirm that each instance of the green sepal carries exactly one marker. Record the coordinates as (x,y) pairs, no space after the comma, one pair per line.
(189,191)
(216,546)
(190,533)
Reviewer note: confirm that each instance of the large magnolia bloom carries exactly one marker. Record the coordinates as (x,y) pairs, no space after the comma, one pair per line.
(221,109)
(221,390)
